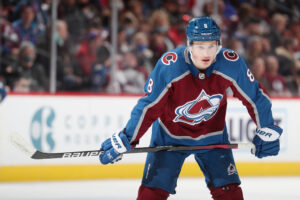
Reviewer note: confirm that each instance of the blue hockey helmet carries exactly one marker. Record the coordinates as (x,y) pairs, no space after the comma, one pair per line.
(203,29)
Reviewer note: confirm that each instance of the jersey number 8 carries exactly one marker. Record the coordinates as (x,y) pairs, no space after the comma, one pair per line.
(150,86)
(250,75)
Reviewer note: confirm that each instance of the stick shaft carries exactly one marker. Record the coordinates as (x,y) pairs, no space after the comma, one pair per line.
(41,155)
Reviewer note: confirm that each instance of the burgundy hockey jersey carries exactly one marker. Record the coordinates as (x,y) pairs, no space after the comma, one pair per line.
(188,107)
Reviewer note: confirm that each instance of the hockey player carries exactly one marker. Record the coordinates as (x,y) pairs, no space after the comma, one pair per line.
(186,103)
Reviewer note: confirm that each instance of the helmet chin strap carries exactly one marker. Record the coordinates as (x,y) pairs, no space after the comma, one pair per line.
(219,49)
(191,54)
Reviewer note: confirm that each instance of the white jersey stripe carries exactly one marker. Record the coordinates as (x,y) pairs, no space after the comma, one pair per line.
(162,94)
(243,94)
(188,137)
(263,93)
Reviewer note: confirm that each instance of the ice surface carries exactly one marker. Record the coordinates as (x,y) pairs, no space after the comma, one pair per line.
(256,188)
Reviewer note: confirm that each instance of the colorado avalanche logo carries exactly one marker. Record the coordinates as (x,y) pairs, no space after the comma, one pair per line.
(169,57)
(201,109)
(230,55)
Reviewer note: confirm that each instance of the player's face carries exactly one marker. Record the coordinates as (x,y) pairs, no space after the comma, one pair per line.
(203,53)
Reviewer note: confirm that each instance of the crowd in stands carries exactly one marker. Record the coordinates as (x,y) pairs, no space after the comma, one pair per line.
(266,33)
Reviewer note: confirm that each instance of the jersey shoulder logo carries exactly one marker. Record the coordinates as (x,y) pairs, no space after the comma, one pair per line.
(203,108)
(169,57)
(230,55)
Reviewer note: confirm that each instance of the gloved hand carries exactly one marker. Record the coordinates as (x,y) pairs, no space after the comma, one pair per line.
(266,141)
(2,92)
(113,148)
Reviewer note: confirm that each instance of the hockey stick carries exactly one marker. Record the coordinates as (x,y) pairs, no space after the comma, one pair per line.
(36,154)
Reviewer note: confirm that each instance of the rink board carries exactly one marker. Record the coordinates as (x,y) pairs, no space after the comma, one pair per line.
(128,171)
(68,122)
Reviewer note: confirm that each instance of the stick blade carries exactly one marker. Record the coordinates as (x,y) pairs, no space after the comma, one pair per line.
(42,155)
(20,143)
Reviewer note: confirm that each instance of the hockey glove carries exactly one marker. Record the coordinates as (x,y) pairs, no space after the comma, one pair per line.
(113,148)
(2,92)
(266,141)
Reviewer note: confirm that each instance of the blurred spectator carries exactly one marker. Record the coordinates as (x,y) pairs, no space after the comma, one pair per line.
(172,9)
(279,23)
(78,15)
(100,74)
(8,44)
(287,56)
(130,79)
(288,8)
(29,75)
(275,80)
(177,31)
(159,42)
(87,52)
(130,25)
(197,7)
(9,39)
(64,62)
(6,10)
(158,46)
(86,56)
(236,45)
(293,31)
(254,48)
(71,79)
(245,12)
(159,23)
(26,27)
(69,11)
(224,15)
(123,43)
(89,8)
(145,27)
(266,45)
(208,8)
(293,83)
(141,50)
(100,77)
(136,7)
(229,17)
(8,47)
(41,10)
(8,64)
(258,69)
(251,27)
(261,12)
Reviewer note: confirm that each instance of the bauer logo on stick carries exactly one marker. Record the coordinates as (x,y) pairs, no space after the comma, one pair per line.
(81,154)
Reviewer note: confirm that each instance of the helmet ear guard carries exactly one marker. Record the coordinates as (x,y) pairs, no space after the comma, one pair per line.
(219,46)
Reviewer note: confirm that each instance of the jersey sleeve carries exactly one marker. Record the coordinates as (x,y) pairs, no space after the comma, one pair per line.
(149,107)
(252,95)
